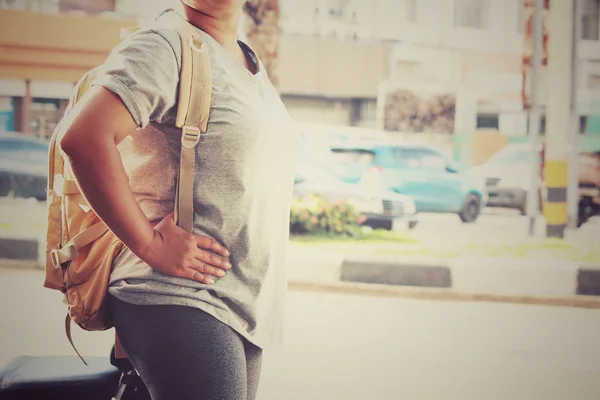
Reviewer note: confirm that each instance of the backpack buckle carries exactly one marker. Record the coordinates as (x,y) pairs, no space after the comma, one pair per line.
(190,136)
(59,257)
(196,43)
(55,258)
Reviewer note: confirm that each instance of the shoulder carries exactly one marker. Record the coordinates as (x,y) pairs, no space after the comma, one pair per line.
(143,70)
(158,43)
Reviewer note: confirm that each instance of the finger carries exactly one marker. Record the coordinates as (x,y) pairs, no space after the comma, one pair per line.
(206,269)
(195,275)
(207,243)
(212,259)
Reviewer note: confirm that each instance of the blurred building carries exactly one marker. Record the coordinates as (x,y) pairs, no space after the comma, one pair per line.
(323,80)
(473,46)
(46,45)
(334,56)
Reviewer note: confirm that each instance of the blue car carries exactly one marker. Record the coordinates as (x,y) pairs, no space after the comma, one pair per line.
(383,209)
(23,166)
(434,182)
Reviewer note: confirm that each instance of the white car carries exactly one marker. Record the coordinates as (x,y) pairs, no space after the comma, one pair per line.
(507,177)
(382,208)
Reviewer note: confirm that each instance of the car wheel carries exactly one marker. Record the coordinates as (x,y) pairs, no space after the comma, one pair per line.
(5,185)
(471,209)
(522,204)
(522,209)
(586,210)
(385,224)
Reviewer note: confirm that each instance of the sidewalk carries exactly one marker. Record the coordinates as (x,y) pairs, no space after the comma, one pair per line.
(474,279)
(401,266)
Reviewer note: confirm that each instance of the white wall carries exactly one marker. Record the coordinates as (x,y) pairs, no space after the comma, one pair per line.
(318,111)
(144,8)
(433,50)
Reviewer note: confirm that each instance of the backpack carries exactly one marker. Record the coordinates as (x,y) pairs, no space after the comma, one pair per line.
(80,248)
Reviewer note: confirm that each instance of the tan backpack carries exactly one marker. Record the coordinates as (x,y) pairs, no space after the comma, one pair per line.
(80,248)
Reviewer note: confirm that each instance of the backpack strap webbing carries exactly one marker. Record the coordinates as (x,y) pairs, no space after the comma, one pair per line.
(195,85)
(192,117)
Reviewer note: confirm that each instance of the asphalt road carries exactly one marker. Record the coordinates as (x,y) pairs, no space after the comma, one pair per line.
(493,224)
(353,347)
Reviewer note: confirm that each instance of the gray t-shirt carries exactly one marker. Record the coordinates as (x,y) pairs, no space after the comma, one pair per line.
(245,165)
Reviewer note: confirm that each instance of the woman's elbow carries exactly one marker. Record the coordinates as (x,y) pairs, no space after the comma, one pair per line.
(71,144)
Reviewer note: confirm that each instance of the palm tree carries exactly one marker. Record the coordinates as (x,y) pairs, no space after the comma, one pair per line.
(261,28)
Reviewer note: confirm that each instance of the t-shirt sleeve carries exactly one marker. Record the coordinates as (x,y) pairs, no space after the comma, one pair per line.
(144,72)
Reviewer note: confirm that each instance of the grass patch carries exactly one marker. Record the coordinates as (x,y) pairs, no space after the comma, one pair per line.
(403,245)
(551,250)
(378,236)
(14,227)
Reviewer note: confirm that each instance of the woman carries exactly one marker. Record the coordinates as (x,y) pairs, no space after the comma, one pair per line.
(193,311)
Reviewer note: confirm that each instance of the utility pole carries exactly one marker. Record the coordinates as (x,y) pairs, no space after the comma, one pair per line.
(534,109)
(559,123)
(573,181)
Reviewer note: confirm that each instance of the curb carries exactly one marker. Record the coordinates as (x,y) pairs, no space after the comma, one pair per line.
(406,292)
(514,281)
(388,273)
(441,294)
(588,280)
(494,277)
(18,249)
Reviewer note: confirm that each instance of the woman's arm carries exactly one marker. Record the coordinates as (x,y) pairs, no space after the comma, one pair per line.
(99,122)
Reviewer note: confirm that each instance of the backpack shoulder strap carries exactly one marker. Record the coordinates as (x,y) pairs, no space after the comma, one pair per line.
(195,87)
(195,80)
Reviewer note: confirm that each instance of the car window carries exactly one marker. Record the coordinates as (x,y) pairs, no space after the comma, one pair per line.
(510,156)
(356,157)
(420,158)
(349,164)
(21,145)
(23,150)
(405,158)
(431,160)
(11,145)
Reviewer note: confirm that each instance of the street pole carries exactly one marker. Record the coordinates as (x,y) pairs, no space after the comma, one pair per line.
(534,116)
(573,181)
(560,59)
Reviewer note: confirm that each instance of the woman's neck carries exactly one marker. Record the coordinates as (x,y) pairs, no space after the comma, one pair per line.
(223,30)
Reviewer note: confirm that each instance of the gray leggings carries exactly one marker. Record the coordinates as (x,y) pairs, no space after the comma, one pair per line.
(184,353)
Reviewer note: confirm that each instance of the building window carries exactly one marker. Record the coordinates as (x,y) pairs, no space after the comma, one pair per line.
(337,9)
(471,14)
(590,27)
(583,121)
(29,5)
(543,125)
(488,121)
(364,113)
(87,6)
(542,130)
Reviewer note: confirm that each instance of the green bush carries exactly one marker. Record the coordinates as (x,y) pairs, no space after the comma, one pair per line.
(316,215)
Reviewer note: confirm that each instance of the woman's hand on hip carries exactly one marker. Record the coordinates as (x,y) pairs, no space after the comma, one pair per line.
(176,252)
